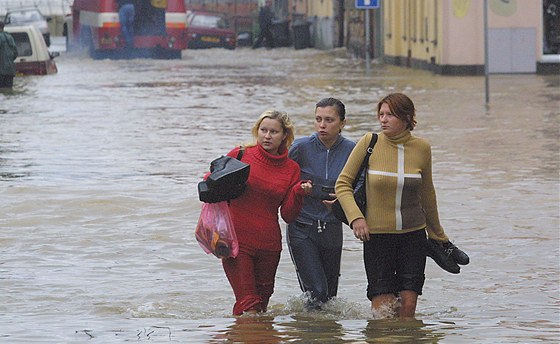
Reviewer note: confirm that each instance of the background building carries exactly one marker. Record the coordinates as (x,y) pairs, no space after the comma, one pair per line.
(325,19)
(447,36)
(443,36)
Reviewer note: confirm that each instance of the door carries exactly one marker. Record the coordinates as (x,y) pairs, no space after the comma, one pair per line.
(512,50)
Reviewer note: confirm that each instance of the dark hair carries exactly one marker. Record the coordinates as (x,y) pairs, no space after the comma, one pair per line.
(1,25)
(402,107)
(337,104)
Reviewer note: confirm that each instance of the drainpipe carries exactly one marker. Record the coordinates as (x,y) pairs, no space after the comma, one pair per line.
(486,80)
(368,62)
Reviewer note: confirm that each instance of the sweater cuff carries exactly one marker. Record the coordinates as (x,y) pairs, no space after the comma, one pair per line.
(438,237)
(298,190)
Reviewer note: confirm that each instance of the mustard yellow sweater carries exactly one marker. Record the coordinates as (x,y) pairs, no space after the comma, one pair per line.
(400,192)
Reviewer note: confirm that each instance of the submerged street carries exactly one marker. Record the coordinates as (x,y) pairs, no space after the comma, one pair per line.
(99,165)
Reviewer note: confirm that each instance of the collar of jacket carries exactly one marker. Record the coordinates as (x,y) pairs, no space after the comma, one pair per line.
(315,137)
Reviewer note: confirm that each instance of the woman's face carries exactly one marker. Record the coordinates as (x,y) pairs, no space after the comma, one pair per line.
(327,123)
(391,125)
(271,134)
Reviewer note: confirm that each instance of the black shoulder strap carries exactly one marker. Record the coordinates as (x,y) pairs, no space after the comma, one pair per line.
(372,143)
(365,162)
(369,150)
(240,153)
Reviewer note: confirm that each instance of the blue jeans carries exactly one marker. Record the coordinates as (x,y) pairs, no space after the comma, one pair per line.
(316,251)
(126,18)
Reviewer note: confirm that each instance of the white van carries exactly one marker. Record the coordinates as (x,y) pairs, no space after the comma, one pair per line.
(34,57)
(29,16)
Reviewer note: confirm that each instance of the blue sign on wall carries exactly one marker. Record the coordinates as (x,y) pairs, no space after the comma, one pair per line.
(367,4)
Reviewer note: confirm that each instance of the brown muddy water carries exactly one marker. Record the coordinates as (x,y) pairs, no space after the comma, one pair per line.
(98,203)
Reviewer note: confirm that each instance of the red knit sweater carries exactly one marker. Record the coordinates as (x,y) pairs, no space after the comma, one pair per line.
(274,182)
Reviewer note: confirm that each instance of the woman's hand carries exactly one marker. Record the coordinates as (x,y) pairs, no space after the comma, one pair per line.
(307,186)
(329,202)
(360,229)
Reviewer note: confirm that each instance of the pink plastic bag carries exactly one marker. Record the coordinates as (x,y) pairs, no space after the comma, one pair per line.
(215,232)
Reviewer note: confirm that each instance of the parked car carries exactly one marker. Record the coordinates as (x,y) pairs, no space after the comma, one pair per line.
(34,57)
(29,16)
(209,30)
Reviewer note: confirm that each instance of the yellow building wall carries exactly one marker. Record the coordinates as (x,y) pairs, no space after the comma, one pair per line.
(394,27)
(464,34)
(320,9)
(451,32)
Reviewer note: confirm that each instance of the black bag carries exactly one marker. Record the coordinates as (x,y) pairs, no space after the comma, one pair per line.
(226,181)
(360,192)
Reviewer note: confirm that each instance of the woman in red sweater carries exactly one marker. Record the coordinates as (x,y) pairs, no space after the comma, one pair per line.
(274,183)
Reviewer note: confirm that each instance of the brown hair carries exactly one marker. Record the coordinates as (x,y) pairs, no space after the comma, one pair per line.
(401,107)
(337,104)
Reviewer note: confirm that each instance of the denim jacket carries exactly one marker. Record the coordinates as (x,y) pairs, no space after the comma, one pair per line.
(322,166)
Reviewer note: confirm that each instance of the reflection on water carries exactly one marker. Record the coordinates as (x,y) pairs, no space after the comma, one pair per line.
(251,330)
(403,331)
(98,171)
(310,328)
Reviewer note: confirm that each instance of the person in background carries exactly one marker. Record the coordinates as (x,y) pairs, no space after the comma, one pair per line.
(8,54)
(401,208)
(159,7)
(315,238)
(265,25)
(274,183)
(126,18)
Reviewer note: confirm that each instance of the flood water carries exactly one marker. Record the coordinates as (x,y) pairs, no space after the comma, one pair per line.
(98,200)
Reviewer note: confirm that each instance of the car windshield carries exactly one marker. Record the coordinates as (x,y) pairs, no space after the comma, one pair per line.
(208,21)
(26,16)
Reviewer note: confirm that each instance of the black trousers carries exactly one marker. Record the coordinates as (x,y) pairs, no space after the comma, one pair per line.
(267,36)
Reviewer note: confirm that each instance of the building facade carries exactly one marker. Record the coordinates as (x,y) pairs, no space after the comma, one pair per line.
(448,37)
(325,18)
(443,36)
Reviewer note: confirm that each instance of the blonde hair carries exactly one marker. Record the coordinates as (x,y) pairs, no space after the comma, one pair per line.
(284,120)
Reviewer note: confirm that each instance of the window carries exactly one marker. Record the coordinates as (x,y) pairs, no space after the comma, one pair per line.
(208,21)
(23,44)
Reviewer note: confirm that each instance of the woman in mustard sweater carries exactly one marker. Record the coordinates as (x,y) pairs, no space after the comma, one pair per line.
(401,208)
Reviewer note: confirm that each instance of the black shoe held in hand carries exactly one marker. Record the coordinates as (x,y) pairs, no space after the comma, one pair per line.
(458,255)
(442,256)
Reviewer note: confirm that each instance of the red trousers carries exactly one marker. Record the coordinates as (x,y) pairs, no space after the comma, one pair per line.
(251,275)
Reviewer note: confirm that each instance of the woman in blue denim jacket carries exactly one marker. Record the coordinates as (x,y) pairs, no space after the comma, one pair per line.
(315,238)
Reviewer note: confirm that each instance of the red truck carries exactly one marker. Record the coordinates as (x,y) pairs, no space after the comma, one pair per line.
(159,29)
